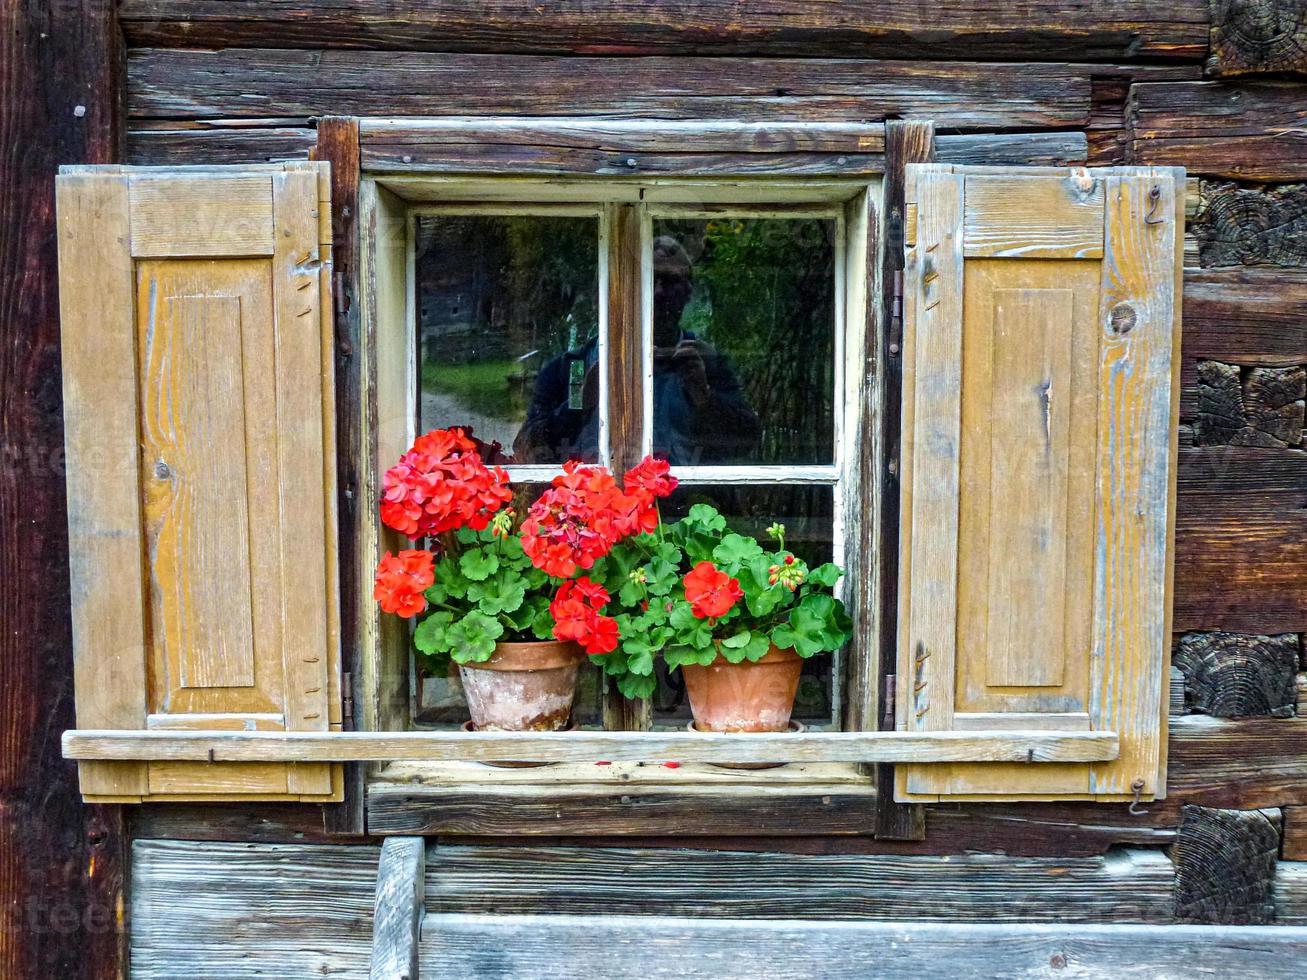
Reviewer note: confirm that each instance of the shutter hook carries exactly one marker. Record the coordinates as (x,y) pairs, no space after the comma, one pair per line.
(1137,787)
(1154,199)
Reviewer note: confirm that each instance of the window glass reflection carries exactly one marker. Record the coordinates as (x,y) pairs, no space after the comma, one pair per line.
(744,340)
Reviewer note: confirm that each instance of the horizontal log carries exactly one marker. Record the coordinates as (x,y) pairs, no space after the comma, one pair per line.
(1294,844)
(1036,29)
(1238,226)
(1291,893)
(1243,765)
(589,811)
(180,147)
(271,746)
(532,947)
(250,910)
(1247,130)
(1068,149)
(255,82)
(1125,886)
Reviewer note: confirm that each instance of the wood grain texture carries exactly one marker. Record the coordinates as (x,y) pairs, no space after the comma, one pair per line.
(1225,866)
(906,142)
(586,810)
(1127,886)
(1208,763)
(1024,217)
(338,145)
(1041,29)
(178,147)
(1138,316)
(310,746)
(1293,835)
(241,910)
(1239,225)
(399,907)
(217,216)
(233,82)
(1251,37)
(529,948)
(1234,675)
(1240,130)
(1291,893)
(62,864)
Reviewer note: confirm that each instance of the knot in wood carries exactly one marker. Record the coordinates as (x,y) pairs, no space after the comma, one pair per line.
(1122,319)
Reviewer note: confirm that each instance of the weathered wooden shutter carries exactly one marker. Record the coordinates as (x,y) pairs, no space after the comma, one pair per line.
(1041,352)
(198,409)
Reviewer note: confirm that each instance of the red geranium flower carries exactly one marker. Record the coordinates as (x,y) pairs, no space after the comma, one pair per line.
(710,592)
(401,579)
(651,476)
(577,617)
(441,484)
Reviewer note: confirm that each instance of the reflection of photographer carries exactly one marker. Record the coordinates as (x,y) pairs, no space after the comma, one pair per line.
(700,415)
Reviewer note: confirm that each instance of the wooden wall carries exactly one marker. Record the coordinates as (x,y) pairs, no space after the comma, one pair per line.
(1217,86)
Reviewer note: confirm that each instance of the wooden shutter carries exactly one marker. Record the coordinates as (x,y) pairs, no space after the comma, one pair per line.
(198,408)
(1041,354)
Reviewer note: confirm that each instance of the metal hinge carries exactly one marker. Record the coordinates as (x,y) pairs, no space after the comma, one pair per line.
(888,716)
(347,702)
(896,313)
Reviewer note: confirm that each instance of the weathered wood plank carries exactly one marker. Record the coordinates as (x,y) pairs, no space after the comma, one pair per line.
(1245,130)
(906,142)
(240,910)
(532,947)
(1260,406)
(309,746)
(1293,844)
(1255,36)
(397,918)
(232,82)
(588,811)
(1233,675)
(1225,866)
(1291,893)
(1038,29)
(182,147)
(1243,765)
(1126,886)
(1254,317)
(1017,149)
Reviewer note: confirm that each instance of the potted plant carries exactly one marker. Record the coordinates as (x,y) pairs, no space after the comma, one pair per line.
(498,597)
(736,618)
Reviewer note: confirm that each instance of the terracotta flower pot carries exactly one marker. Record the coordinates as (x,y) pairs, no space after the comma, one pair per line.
(744,697)
(523,687)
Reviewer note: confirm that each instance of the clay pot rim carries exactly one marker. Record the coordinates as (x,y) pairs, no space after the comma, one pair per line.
(530,655)
(796,728)
(774,655)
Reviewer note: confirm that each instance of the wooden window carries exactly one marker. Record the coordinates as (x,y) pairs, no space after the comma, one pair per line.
(198,412)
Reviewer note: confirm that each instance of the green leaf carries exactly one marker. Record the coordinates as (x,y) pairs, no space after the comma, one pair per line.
(472,638)
(706,518)
(825,575)
(430,636)
(735,551)
(663,576)
(478,564)
(501,594)
(636,686)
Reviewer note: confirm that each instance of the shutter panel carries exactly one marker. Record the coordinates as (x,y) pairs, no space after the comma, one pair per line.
(198,408)
(1040,380)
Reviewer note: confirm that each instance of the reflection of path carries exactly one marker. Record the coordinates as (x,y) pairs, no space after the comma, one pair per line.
(440,411)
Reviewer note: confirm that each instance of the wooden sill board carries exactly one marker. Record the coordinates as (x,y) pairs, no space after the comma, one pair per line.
(949,746)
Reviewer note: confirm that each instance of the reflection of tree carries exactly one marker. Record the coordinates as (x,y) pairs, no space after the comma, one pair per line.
(764,295)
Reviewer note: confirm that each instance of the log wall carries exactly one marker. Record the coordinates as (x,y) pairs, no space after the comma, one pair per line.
(1217,86)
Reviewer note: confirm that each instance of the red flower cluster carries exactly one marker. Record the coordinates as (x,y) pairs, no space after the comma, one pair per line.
(441,484)
(578,615)
(585,513)
(401,580)
(710,592)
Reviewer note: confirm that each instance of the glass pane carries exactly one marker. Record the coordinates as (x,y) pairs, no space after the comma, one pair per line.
(744,340)
(507,323)
(806,511)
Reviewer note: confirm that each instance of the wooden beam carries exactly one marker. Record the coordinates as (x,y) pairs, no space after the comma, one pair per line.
(531,947)
(62,864)
(272,746)
(1244,130)
(1293,846)
(1256,762)
(1225,866)
(1035,29)
(177,83)
(190,146)
(1233,675)
(1125,886)
(400,905)
(1237,225)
